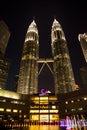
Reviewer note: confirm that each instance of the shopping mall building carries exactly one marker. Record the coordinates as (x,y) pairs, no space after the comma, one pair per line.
(43,108)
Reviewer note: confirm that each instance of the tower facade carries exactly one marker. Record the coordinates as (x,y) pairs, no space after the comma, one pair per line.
(63,73)
(28,75)
(83,42)
(4,37)
(4,69)
(83,74)
(4,62)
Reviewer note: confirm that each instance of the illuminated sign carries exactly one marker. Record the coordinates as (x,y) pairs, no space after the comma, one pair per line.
(43,92)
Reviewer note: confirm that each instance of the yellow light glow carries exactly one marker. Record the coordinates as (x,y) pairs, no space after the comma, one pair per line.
(85,98)
(20,111)
(35,98)
(8,110)
(43,102)
(1,109)
(54,117)
(34,111)
(44,118)
(43,111)
(9,94)
(53,111)
(53,98)
(53,107)
(15,110)
(73,109)
(66,102)
(25,116)
(78,100)
(35,117)
(20,116)
(44,106)
(65,110)
(72,101)
(36,102)
(80,109)
(43,98)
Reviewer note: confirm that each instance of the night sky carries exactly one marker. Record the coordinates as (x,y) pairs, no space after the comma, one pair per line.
(73,19)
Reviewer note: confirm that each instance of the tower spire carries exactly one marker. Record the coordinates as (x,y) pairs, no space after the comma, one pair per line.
(54,16)
(34,18)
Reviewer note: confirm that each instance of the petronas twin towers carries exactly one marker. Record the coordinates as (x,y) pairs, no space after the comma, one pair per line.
(62,68)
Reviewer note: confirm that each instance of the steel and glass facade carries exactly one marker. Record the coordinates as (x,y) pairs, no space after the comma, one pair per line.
(17,108)
(36,108)
(63,73)
(44,108)
(83,42)
(4,37)
(28,76)
(4,69)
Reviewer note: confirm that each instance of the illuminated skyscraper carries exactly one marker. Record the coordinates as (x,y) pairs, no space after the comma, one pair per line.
(4,63)
(83,74)
(83,70)
(28,75)
(63,73)
(4,37)
(83,42)
(4,69)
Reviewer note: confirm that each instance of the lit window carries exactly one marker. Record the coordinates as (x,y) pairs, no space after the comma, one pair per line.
(43,102)
(15,102)
(85,98)
(43,111)
(15,110)
(2,100)
(65,110)
(34,111)
(8,110)
(20,111)
(53,107)
(66,102)
(43,98)
(35,98)
(53,111)
(78,100)
(24,116)
(72,109)
(72,101)
(1,109)
(52,98)
(80,109)
(20,116)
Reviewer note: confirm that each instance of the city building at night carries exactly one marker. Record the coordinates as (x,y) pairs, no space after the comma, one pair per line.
(12,106)
(83,74)
(63,74)
(15,84)
(27,105)
(4,62)
(83,42)
(73,104)
(28,75)
(43,108)
(15,107)
(83,70)
(4,69)
(4,37)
